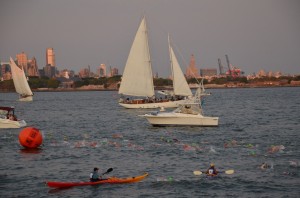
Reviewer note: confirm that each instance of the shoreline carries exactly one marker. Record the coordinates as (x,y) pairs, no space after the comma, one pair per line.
(208,86)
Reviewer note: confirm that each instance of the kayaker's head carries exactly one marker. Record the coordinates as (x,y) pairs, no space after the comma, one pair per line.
(96,169)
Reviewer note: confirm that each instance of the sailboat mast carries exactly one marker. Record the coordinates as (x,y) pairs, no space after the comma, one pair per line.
(148,50)
(171,62)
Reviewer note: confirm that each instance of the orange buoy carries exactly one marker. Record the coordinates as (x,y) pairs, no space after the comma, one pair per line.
(30,137)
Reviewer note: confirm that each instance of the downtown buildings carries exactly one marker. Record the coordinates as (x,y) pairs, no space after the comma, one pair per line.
(50,69)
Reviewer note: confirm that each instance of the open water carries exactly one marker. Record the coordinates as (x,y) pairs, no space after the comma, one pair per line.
(83,130)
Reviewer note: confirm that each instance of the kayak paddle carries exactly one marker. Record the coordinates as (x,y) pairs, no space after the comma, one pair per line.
(108,171)
(197,173)
(228,172)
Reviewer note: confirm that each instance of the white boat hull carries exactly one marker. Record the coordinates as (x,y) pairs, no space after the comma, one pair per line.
(169,104)
(26,99)
(7,123)
(179,119)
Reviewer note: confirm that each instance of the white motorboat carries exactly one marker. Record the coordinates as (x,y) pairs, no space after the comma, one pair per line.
(20,82)
(137,79)
(8,118)
(189,114)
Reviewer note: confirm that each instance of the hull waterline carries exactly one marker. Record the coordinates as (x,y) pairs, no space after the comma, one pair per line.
(173,119)
(169,104)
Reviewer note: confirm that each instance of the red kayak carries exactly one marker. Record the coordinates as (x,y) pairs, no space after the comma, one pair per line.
(110,180)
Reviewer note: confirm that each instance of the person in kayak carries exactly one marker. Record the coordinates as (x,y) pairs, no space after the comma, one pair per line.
(94,176)
(211,171)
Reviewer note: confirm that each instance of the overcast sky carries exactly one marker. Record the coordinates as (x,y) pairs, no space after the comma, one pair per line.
(256,34)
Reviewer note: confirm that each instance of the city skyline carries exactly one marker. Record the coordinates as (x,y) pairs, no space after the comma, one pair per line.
(255,34)
(31,69)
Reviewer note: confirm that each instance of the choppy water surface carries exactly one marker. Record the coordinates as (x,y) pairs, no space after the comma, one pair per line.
(83,130)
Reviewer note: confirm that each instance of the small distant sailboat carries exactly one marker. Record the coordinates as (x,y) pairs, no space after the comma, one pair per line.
(20,82)
(137,79)
(201,90)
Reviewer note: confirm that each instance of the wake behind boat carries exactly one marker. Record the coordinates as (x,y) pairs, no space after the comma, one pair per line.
(20,82)
(137,79)
(8,118)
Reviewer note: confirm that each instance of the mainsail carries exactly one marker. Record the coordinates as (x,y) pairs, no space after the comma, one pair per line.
(20,80)
(137,79)
(180,85)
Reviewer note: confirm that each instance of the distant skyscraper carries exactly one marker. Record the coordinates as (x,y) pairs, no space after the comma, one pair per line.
(49,71)
(192,71)
(50,57)
(84,73)
(32,67)
(114,72)
(22,61)
(102,70)
(5,72)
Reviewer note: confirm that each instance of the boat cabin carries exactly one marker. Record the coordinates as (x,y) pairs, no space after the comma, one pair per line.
(193,109)
(8,113)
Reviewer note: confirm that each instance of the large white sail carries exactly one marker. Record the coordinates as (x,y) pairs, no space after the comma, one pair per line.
(180,85)
(20,80)
(137,79)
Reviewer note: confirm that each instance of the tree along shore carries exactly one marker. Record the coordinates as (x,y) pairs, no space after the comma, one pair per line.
(113,83)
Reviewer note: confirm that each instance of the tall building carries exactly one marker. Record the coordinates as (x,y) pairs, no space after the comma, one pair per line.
(32,68)
(49,71)
(114,72)
(84,73)
(192,71)
(22,61)
(50,57)
(102,70)
(5,73)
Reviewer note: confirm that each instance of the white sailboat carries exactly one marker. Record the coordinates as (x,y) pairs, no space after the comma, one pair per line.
(20,82)
(137,79)
(201,90)
(180,85)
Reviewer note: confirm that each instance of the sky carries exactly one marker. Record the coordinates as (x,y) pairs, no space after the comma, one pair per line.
(255,34)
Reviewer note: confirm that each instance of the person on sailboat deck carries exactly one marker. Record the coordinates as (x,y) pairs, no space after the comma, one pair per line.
(211,170)
(94,176)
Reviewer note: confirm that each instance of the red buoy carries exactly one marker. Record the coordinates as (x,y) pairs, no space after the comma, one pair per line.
(30,137)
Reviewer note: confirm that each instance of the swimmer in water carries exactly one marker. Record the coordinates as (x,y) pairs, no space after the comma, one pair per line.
(264,166)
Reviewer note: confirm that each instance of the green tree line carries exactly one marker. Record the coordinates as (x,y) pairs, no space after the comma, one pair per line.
(45,82)
(34,83)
